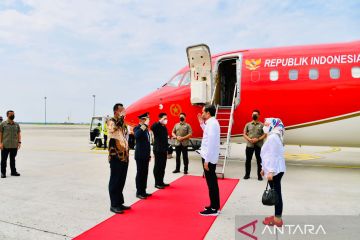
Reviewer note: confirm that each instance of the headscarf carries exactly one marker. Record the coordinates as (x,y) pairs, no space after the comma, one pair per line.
(276,126)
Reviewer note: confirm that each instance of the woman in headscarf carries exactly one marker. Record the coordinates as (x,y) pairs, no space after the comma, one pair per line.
(273,164)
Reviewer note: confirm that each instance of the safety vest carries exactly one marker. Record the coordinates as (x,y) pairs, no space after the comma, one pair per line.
(105,130)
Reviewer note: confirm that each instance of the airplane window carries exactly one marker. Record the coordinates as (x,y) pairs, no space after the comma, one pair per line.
(355,72)
(186,80)
(274,75)
(313,74)
(293,74)
(334,73)
(174,82)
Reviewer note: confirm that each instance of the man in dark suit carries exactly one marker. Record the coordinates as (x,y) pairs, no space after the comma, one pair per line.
(142,155)
(160,150)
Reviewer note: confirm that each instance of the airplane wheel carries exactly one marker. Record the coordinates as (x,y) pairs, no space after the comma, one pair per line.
(98,143)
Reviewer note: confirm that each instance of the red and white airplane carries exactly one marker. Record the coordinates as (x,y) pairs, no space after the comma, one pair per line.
(314,89)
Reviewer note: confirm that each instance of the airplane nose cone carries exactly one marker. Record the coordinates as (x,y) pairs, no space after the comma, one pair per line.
(131,114)
(151,103)
(146,104)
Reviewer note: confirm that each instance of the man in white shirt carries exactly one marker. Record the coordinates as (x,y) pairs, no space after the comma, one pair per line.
(210,149)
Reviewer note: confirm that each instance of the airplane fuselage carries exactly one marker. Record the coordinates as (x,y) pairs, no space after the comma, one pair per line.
(313,89)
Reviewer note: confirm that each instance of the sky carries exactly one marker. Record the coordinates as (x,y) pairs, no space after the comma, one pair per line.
(121,50)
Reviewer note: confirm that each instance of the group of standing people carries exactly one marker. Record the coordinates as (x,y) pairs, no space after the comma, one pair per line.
(143,153)
(269,157)
(119,154)
(269,154)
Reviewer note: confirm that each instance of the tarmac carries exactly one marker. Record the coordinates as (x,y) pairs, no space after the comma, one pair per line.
(62,190)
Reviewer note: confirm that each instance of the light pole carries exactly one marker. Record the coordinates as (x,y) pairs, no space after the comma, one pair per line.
(45,108)
(94,96)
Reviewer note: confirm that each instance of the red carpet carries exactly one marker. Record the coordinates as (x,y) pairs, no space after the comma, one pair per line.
(172,213)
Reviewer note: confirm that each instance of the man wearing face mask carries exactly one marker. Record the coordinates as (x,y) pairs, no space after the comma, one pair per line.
(10,143)
(142,155)
(181,133)
(160,150)
(254,135)
(118,158)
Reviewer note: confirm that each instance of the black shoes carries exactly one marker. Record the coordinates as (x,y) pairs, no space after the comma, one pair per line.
(209,212)
(209,208)
(144,195)
(119,210)
(116,210)
(259,178)
(162,186)
(177,171)
(141,196)
(123,207)
(15,174)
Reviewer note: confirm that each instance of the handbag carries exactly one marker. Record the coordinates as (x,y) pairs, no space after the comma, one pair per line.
(270,197)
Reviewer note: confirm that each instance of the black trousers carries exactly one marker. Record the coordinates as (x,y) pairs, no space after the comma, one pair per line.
(159,167)
(184,151)
(105,141)
(212,183)
(142,166)
(4,156)
(249,154)
(276,185)
(118,172)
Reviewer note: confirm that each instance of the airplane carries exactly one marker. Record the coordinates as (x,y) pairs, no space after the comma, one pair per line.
(314,90)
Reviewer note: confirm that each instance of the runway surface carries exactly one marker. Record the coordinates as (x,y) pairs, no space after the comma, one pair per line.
(62,190)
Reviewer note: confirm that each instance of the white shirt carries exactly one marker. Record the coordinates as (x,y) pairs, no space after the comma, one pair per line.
(272,155)
(210,145)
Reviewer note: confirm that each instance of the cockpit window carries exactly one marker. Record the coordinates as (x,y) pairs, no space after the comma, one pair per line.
(174,82)
(186,80)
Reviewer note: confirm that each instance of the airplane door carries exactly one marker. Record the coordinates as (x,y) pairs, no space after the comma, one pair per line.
(200,73)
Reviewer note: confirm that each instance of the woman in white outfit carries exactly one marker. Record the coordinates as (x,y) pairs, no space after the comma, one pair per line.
(273,164)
